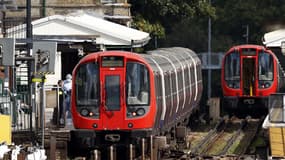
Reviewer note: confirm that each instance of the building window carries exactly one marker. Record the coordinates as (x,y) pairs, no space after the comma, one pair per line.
(107,1)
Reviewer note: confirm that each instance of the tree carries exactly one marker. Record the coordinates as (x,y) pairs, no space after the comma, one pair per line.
(159,17)
(233,15)
(185,22)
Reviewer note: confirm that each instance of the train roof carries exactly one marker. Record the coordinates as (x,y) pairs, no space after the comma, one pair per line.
(259,47)
(248,46)
(169,59)
(95,55)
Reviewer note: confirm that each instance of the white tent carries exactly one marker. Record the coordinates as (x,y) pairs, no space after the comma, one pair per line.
(274,38)
(79,27)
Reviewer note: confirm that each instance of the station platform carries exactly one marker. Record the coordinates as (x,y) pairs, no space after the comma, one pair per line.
(275,124)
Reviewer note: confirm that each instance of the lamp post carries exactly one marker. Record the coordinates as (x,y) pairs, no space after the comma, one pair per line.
(246,33)
(29,42)
(209,56)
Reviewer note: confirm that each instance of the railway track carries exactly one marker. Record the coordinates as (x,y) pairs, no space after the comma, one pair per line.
(229,137)
(210,137)
(246,137)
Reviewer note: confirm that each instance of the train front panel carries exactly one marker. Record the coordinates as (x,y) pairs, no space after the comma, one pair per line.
(113,91)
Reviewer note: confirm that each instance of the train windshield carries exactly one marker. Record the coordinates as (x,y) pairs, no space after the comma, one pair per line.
(137,84)
(232,69)
(87,84)
(265,66)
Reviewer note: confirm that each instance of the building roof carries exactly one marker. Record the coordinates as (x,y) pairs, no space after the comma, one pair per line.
(274,38)
(79,27)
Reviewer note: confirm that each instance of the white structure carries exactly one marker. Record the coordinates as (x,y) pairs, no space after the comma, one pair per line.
(274,38)
(80,27)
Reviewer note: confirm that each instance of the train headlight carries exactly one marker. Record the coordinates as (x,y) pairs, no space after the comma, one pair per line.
(267,85)
(130,125)
(231,85)
(236,85)
(140,111)
(134,114)
(84,112)
(91,114)
(264,85)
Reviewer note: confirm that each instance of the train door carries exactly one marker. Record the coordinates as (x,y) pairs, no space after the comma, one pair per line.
(112,110)
(248,76)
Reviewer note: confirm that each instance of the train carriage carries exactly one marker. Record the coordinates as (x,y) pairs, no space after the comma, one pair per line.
(250,73)
(119,97)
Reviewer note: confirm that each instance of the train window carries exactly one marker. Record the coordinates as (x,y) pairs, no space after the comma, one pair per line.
(265,66)
(167,90)
(112,85)
(186,77)
(166,84)
(232,66)
(174,87)
(248,51)
(157,89)
(180,84)
(112,61)
(192,76)
(137,84)
(87,84)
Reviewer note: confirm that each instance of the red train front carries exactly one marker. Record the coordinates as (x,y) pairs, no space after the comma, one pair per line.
(111,95)
(100,84)
(250,73)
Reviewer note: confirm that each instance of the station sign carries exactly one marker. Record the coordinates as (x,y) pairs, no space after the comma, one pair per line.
(45,57)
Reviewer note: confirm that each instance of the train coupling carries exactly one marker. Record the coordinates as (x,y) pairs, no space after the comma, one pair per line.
(248,101)
(112,137)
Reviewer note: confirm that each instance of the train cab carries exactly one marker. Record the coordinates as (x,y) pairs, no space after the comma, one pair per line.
(249,73)
(112,93)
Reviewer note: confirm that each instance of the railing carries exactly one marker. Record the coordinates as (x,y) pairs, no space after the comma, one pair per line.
(277,108)
(13,104)
(5,103)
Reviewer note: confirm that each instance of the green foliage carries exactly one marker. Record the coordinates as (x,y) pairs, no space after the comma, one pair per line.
(186,34)
(167,12)
(185,22)
(161,18)
(144,25)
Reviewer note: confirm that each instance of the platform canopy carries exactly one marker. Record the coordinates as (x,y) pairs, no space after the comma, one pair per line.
(274,38)
(80,27)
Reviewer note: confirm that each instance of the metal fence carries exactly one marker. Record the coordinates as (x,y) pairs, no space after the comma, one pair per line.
(23,116)
(277,108)
(13,104)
